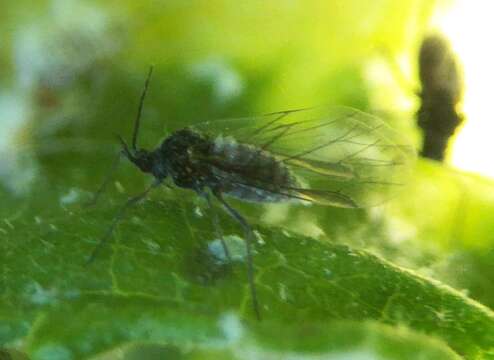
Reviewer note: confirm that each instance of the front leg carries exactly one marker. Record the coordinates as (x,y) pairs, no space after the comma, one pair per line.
(119,216)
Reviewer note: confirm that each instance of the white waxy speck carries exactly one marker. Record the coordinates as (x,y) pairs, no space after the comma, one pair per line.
(119,187)
(235,245)
(40,296)
(198,212)
(259,237)
(72,196)
(282,291)
(153,246)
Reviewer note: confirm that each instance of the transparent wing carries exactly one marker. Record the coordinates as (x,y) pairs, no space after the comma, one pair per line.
(341,156)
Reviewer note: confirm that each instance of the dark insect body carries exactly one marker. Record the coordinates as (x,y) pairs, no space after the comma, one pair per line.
(442,87)
(234,169)
(345,159)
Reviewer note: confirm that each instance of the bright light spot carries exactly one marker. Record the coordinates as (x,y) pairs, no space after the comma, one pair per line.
(468,24)
(225,81)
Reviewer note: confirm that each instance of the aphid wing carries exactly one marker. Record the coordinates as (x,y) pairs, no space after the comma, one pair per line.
(323,167)
(337,150)
(324,197)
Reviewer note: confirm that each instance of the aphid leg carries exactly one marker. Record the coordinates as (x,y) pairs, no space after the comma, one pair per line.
(116,219)
(106,180)
(217,227)
(249,237)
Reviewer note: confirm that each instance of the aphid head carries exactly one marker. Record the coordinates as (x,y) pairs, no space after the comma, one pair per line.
(143,159)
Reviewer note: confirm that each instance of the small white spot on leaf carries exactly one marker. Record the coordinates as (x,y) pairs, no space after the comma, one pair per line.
(235,245)
(198,212)
(231,327)
(282,291)
(259,238)
(153,246)
(70,197)
(36,294)
(119,187)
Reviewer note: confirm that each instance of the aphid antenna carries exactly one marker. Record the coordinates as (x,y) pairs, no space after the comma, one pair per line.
(137,123)
(132,155)
(125,151)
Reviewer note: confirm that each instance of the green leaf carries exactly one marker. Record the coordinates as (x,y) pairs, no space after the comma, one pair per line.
(339,340)
(161,280)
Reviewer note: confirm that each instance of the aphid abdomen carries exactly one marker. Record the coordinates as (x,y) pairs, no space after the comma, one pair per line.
(250,173)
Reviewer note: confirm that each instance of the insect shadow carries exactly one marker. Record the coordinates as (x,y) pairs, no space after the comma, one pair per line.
(343,158)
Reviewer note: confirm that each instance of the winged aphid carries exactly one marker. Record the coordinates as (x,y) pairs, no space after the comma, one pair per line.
(338,157)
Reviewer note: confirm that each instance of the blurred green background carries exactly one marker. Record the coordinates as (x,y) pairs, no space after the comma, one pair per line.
(412,279)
